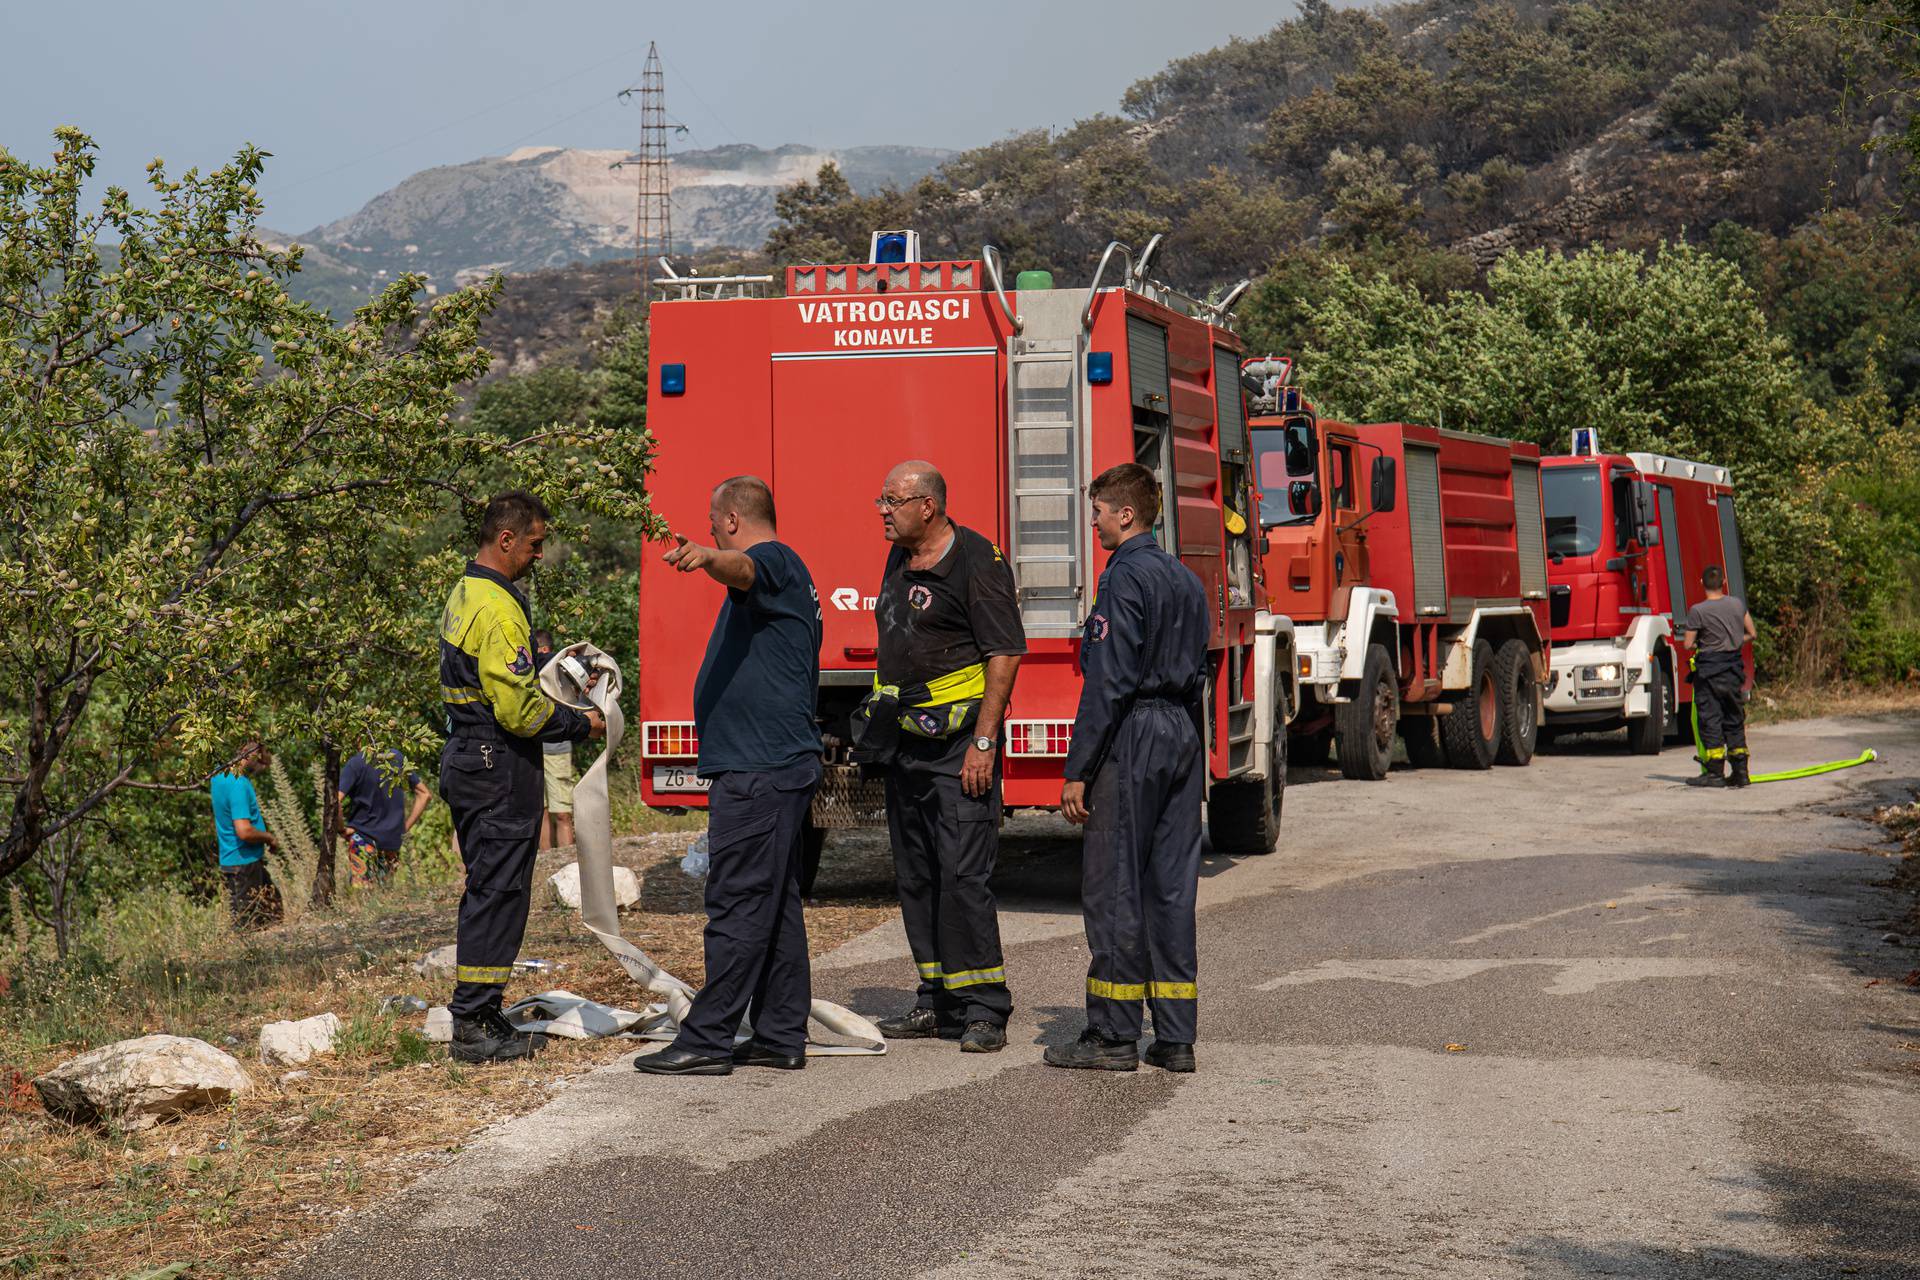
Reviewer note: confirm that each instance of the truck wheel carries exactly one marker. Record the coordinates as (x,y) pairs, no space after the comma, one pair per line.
(1243,816)
(1519,702)
(1425,750)
(1472,729)
(1648,734)
(1364,727)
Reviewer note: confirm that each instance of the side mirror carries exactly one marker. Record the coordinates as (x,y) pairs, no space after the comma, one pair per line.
(1384,470)
(1646,514)
(1304,496)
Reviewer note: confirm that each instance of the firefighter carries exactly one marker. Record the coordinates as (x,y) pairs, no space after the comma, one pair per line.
(950,643)
(760,747)
(490,769)
(1718,629)
(1136,776)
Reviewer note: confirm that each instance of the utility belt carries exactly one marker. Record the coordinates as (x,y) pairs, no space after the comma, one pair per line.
(936,709)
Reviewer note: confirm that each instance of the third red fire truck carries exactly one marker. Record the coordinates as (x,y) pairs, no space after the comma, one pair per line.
(1020,396)
(1412,563)
(1628,535)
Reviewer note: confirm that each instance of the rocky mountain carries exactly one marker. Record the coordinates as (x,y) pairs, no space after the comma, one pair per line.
(547,207)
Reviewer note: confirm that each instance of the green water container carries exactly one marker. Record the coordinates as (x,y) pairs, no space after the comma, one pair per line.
(1033,280)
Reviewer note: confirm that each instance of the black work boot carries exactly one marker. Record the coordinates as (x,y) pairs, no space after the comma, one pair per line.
(982,1036)
(1094,1052)
(1169,1055)
(488,1037)
(920,1024)
(1740,777)
(1713,774)
(751,1053)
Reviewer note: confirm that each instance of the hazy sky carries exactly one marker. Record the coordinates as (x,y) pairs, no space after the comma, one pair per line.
(352,97)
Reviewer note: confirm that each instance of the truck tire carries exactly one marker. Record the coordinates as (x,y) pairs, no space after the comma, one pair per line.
(1425,750)
(1519,702)
(1472,729)
(1243,816)
(1364,727)
(1647,734)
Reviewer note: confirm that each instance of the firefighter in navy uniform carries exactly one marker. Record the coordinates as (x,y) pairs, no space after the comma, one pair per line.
(950,643)
(490,770)
(1136,776)
(1719,628)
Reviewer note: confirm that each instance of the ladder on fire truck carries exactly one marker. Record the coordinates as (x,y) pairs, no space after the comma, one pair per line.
(1044,451)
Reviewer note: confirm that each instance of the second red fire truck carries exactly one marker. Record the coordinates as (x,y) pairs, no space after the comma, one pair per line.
(1020,396)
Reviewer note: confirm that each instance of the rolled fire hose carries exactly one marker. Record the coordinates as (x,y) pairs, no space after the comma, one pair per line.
(563,680)
(1784,775)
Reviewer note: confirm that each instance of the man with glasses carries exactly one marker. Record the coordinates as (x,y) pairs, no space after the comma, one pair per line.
(950,645)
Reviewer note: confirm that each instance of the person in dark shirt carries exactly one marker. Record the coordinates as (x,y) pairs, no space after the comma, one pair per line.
(376,815)
(1136,775)
(950,640)
(754,709)
(1719,629)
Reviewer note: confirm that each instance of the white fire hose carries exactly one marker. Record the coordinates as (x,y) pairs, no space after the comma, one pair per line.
(564,680)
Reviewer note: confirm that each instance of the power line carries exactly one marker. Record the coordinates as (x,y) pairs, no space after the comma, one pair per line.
(688,86)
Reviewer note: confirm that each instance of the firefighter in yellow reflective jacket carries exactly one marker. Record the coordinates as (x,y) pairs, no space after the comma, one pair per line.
(490,770)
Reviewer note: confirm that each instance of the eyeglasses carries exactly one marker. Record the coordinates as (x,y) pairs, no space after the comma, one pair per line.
(887,502)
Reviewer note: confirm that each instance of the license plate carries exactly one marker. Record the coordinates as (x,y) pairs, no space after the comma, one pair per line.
(678,777)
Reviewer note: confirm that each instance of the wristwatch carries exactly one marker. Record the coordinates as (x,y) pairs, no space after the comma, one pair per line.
(983,744)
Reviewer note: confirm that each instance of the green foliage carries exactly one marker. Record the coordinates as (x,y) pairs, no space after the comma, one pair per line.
(215,497)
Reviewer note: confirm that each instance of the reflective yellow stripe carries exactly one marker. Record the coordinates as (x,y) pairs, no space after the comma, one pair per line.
(1736,751)
(457,695)
(973,977)
(930,970)
(484,973)
(1173,991)
(1715,753)
(1116,990)
(956,686)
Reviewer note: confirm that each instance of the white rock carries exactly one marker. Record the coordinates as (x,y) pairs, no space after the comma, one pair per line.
(139,1083)
(288,1044)
(294,1077)
(566,885)
(439,1028)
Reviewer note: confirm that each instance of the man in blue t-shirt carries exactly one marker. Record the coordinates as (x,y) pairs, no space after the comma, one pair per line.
(376,815)
(244,840)
(754,708)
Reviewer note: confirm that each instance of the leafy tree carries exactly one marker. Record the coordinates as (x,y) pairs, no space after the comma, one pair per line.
(205,487)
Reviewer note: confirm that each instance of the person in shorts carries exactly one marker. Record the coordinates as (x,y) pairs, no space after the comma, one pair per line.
(556,824)
(252,898)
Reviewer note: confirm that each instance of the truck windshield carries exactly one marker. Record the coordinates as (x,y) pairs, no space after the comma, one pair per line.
(1282,456)
(1572,498)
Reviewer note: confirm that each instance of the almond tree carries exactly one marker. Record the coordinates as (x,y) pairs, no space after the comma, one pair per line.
(208,491)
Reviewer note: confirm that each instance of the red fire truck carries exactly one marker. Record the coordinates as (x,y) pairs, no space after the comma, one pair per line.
(1020,396)
(1413,565)
(1628,535)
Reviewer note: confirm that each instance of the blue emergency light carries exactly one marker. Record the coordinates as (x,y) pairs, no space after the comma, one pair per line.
(893,247)
(1586,442)
(1099,367)
(673,379)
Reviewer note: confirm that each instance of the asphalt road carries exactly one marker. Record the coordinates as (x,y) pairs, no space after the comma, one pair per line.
(1671,1065)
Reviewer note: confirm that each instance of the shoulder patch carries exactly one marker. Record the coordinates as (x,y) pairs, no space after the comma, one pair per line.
(996,552)
(1097,628)
(522,661)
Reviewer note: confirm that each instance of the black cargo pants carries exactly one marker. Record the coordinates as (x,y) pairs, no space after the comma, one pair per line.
(756,936)
(945,844)
(1141,875)
(495,788)
(1723,717)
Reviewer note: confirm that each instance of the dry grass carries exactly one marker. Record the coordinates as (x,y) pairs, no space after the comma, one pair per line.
(1774,703)
(239,1191)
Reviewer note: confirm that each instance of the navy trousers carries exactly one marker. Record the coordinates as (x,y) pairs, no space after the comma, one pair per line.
(495,790)
(1141,875)
(756,936)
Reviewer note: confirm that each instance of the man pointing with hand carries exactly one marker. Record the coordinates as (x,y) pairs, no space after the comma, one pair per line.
(753,707)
